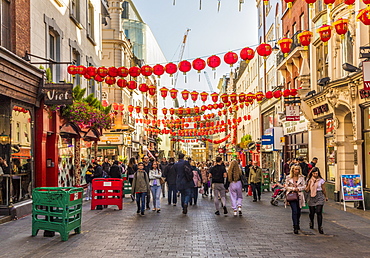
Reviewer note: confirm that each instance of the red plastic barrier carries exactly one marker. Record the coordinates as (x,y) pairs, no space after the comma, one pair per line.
(110,191)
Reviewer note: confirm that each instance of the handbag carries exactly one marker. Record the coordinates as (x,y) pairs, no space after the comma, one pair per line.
(292,196)
(244,180)
(201,191)
(162,180)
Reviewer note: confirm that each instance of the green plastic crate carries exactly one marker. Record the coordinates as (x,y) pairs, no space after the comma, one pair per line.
(265,181)
(57,209)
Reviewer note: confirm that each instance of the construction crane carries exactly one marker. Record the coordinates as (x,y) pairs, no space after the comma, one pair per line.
(181,52)
(208,81)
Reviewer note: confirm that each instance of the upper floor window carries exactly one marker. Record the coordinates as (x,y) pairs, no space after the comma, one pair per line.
(74,11)
(347,50)
(90,21)
(302,21)
(54,55)
(5,22)
(321,61)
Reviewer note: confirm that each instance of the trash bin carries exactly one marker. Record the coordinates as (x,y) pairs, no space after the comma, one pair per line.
(265,181)
(337,196)
(57,209)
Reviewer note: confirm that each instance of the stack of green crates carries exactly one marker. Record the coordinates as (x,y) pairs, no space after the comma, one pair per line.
(126,186)
(57,209)
(265,181)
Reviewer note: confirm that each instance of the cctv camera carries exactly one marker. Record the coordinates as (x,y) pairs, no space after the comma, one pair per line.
(323,81)
(350,68)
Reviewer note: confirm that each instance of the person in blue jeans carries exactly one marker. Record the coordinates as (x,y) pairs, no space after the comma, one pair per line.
(170,174)
(155,186)
(183,185)
(140,187)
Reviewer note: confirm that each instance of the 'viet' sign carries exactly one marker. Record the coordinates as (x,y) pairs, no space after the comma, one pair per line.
(58,93)
(366,71)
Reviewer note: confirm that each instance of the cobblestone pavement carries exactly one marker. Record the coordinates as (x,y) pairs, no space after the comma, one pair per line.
(263,231)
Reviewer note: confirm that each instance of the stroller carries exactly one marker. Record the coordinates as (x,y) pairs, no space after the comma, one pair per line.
(278,195)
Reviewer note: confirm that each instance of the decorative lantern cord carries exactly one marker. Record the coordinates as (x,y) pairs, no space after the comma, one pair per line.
(218,5)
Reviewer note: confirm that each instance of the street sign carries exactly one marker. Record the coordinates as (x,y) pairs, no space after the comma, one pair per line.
(292,113)
(267,139)
(366,72)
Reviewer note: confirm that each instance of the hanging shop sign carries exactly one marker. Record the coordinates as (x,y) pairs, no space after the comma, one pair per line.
(352,189)
(364,94)
(221,150)
(292,113)
(321,109)
(111,139)
(291,127)
(366,73)
(58,93)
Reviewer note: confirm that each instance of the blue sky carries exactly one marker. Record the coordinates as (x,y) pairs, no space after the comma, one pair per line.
(212,32)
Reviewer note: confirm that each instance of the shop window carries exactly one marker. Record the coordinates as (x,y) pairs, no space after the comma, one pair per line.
(5,22)
(330,159)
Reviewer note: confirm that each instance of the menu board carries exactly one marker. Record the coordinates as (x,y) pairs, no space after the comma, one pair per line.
(352,188)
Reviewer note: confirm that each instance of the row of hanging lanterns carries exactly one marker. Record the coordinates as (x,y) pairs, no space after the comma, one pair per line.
(329,3)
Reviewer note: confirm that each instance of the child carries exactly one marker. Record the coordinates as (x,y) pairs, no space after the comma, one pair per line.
(88,178)
(140,187)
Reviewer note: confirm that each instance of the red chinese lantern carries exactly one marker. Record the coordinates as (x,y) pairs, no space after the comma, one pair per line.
(121,83)
(224,98)
(204,96)
(249,97)
(293,92)
(230,58)
(233,97)
(194,95)
(184,66)
(130,108)
(81,70)
(215,106)
(188,110)
(241,105)
(289,3)
(269,95)
(196,109)
(154,111)
(329,3)
(325,33)
(72,69)
(304,38)
(173,93)
(164,92)
(364,16)
(185,94)
(121,107)
(164,111)
(110,80)
(102,71)
(349,3)
(138,109)
(242,97)
(341,27)
(310,3)
(203,108)
(143,87)
(88,77)
(213,62)
(286,93)
(98,78)
(152,90)
(91,71)
(221,105)
(219,113)
(210,107)
(132,85)
(122,71)
(112,71)
(158,70)
(277,94)
(199,64)
(285,45)
(134,71)
(247,54)
(145,110)
(171,68)
(115,106)
(172,111)
(264,50)
(180,110)
(146,70)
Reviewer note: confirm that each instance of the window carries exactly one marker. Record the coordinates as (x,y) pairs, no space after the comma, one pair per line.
(74,11)
(302,21)
(76,60)
(54,54)
(90,22)
(5,22)
(347,50)
(294,28)
(18,132)
(321,64)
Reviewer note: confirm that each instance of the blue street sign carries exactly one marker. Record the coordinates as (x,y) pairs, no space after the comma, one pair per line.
(267,140)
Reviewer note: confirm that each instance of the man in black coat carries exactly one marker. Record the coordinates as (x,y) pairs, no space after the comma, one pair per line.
(184,186)
(171,175)
(115,171)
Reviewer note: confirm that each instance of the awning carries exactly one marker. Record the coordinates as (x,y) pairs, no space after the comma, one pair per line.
(70,129)
(91,135)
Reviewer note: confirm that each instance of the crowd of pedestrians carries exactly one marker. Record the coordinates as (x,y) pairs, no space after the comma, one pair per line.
(185,179)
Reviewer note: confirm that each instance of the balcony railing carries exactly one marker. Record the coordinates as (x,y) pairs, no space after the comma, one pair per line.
(280,56)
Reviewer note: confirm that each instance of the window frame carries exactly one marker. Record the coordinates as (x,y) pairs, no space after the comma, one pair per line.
(3,36)
(74,12)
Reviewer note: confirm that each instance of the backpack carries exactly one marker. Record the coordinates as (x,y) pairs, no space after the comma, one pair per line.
(188,172)
(105,174)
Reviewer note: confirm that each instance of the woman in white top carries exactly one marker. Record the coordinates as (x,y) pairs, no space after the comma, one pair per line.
(155,185)
(316,197)
(295,182)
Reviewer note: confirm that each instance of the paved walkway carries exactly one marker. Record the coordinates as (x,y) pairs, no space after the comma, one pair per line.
(263,231)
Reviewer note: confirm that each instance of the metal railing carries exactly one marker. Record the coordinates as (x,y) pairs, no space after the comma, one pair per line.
(280,56)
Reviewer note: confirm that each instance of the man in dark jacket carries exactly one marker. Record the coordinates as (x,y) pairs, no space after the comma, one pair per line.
(171,175)
(183,185)
(218,174)
(115,171)
(98,173)
(303,165)
(147,167)
(247,170)
(106,167)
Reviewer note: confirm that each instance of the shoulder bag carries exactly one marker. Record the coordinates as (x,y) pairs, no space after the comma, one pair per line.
(292,197)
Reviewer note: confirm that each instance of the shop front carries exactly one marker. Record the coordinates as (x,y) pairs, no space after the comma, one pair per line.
(19,87)
(109,145)
(296,139)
